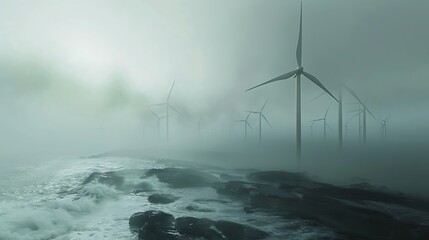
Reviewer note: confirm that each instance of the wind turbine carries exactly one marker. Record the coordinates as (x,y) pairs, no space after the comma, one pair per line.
(365,109)
(261,115)
(297,74)
(246,123)
(347,122)
(158,120)
(384,126)
(325,124)
(167,108)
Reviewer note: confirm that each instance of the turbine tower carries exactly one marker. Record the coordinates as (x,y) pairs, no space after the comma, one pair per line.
(246,123)
(167,108)
(297,74)
(261,115)
(365,110)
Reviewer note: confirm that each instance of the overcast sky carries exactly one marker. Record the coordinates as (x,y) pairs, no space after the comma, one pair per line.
(64,62)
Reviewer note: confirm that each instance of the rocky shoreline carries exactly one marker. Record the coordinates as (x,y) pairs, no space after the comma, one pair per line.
(353,212)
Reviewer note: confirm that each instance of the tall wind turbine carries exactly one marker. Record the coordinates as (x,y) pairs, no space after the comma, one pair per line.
(365,110)
(167,108)
(325,124)
(297,74)
(261,115)
(246,124)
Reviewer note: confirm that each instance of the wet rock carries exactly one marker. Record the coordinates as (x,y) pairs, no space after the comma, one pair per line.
(236,231)
(182,177)
(191,227)
(157,225)
(108,178)
(162,198)
(153,225)
(345,218)
(197,208)
(291,180)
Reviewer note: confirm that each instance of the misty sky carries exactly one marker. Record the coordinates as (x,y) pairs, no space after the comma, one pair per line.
(69,70)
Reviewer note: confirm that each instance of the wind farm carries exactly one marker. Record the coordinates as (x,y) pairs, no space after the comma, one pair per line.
(214,120)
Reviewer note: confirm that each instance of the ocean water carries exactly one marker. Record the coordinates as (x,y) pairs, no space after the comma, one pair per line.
(48,201)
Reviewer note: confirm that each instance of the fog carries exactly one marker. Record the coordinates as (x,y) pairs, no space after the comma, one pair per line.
(76,78)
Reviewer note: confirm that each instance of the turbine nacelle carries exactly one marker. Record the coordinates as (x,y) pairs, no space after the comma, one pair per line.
(299,71)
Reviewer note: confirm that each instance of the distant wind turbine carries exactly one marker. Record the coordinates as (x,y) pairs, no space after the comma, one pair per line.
(384,126)
(261,115)
(325,124)
(297,74)
(167,108)
(347,122)
(365,109)
(246,124)
(158,120)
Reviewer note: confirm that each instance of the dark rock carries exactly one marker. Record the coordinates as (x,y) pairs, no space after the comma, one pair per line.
(291,180)
(196,208)
(162,198)
(138,220)
(182,177)
(153,225)
(348,219)
(236,231)
(248,209)
(157,225)
(191,227)
(108,178)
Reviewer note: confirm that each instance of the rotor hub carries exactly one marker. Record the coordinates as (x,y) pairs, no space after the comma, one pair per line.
(300,70)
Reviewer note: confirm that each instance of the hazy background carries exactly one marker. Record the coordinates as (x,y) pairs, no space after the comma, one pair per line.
(75,76)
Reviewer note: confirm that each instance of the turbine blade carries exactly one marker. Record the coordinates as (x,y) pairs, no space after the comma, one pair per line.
(248,124)
(171,89)
(318,83)
(357,98)
(318,96)
(175,109)
(327,110)
(299,46)
(156,105)
(370,113)
(355,115)
(388,117)
(156,115)
(262,109)
(266,120)
(282,77)
(316,120)
(248,115)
